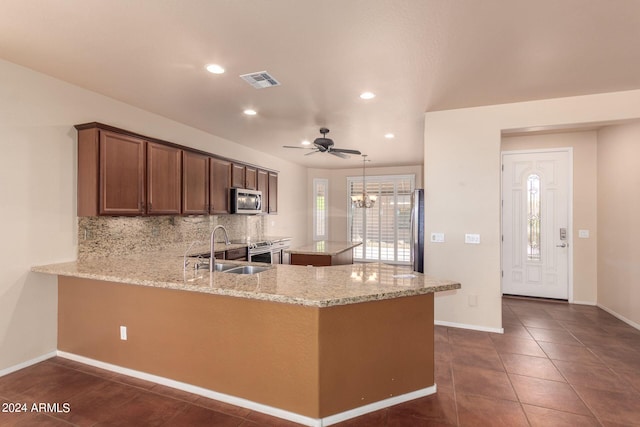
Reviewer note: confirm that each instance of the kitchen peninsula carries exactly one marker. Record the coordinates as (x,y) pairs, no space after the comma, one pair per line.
(324,253)
(311,344)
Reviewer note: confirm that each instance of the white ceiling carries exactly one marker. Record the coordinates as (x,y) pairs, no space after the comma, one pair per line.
(416,55)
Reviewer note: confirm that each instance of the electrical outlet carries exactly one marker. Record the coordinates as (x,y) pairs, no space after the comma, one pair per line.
(437,237)
(123,333)
(473,300)
(473,239)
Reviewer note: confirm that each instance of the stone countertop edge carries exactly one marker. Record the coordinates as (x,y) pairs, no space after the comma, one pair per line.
(330,248)
(289,284)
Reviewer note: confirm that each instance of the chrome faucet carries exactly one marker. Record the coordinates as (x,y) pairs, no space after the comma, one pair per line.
(212,260)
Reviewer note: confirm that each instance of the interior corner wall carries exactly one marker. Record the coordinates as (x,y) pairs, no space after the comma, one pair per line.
(38,190)
(618,207)
(585,160)
(462,183)
(338,193)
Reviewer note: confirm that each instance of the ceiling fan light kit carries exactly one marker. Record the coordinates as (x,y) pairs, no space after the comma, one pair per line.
(363,200)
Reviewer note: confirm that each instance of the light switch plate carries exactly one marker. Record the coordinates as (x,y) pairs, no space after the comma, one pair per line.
(583,234)
(437,237)
(473,239)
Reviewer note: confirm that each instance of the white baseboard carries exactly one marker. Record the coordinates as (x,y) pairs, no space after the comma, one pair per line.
(472,327)
(254,406)
(376,406)
(591,303)
(619,316)
(26,364)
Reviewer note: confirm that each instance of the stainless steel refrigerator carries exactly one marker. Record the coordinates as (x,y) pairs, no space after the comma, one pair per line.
(417,230)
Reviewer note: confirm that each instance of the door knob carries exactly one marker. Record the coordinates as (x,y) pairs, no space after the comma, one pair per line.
(562,245)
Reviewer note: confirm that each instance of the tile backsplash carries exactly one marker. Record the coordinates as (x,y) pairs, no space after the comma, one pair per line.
(105,236)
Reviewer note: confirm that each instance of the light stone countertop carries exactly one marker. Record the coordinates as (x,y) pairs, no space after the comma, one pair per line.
(290,284)
(324,247)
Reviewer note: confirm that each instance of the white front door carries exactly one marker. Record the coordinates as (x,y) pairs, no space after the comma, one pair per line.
(535,224)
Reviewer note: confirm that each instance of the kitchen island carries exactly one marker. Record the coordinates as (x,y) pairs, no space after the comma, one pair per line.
(324,253)
(313,345)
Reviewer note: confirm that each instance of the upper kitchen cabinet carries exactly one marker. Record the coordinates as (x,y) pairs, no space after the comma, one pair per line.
(123,173)
(250,178)
(244,176)
(111,173)
(273,192)
(164,179)
(220,183)
(195,183)
(263,185)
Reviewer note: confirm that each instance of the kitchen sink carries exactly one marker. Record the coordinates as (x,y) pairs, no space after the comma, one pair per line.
(247,269)
(220,266)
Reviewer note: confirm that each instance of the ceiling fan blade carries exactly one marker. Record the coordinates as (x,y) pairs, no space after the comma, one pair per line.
(339,154)
(293,146)
(313,152)
(344,150)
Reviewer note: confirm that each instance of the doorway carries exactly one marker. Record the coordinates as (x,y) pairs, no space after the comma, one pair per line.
(536,223)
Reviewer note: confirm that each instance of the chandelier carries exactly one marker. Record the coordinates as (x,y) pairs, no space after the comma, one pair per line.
(363,200)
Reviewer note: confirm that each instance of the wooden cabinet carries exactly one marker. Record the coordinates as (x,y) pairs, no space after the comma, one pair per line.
(195,183)
(263,185)
(219,184)
(250,178)
(244,176)
(273,192)
(237,175)
(164,179)
(239,254)
(121,189)
(123,173)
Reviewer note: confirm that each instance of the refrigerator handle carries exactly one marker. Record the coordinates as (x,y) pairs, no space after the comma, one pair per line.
(413,229)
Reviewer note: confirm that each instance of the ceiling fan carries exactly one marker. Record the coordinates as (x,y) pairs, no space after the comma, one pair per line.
(325,145)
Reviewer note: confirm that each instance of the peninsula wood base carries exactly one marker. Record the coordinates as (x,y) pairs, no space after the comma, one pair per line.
(311,361)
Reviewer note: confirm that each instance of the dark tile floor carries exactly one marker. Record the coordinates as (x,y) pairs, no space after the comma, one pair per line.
(556,365)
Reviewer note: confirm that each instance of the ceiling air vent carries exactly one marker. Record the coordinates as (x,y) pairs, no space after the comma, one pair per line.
(260,80)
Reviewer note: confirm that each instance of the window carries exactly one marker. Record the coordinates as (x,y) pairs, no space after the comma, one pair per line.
(384,229)
(533,218)
(320,208)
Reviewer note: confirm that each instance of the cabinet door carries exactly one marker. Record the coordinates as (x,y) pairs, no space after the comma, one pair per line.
(237,176)
(122,171)
(164,179)
(250,178)
(263,185)
(273,192)
(195,183)
(219,185)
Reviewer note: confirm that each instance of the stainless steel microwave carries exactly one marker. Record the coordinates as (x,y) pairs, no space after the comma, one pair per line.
(246,201)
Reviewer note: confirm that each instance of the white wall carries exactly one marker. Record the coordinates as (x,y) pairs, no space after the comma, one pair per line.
(618,207)
(462,182)
(38,193)
(338,193)
(585,203)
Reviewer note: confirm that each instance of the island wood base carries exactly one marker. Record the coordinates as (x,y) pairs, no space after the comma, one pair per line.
(311,361)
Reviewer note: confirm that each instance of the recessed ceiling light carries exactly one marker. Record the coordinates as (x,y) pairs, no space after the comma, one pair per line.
(250,112)
(305,142)
(389,135)
(367,95)
(215,69)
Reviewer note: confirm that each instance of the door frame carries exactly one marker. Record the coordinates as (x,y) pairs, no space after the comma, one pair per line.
(570,238)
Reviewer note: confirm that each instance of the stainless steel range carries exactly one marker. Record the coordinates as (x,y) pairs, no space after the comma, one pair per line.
(268,251)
